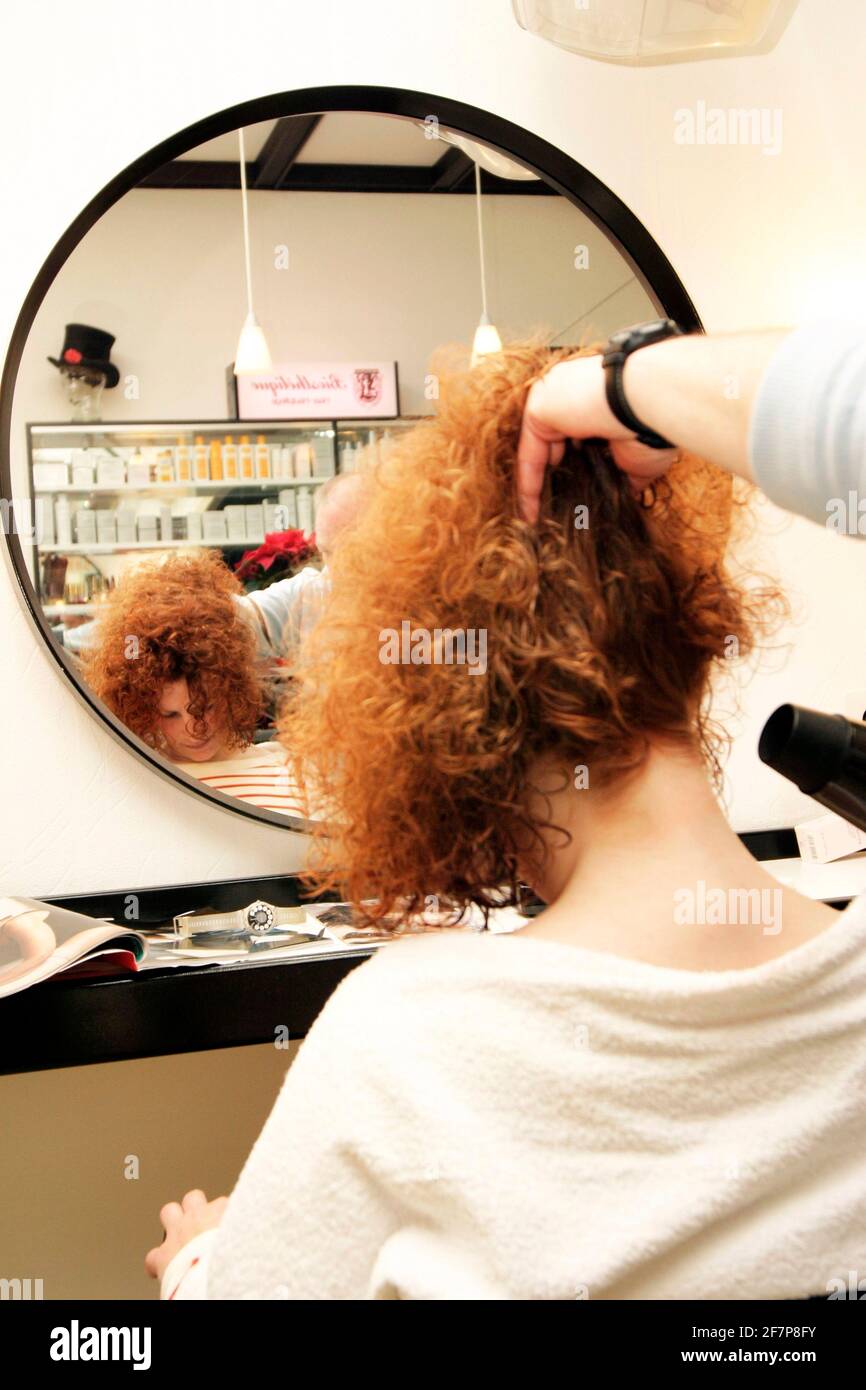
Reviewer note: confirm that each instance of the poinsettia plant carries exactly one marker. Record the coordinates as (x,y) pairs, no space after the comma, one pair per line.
(281,554)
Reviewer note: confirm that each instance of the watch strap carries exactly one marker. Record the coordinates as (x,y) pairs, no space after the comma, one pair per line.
(239,920)
(618,350)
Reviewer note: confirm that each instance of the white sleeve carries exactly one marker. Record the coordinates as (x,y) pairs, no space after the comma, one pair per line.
(807,437)
(312,1208)
(277,611)
(185,1275)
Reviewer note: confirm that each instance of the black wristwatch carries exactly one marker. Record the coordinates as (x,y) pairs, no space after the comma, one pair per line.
(620,346)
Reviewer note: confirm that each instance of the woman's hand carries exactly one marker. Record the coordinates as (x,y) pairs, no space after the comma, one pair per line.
(181,1221)
(569,402)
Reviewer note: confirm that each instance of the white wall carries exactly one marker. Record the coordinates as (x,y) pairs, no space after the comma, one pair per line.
(756,239)
(386,276)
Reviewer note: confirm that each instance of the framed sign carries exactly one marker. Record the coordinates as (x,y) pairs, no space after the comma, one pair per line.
(320,391)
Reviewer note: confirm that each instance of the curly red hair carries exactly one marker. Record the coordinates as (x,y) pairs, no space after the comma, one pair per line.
(171,619)
(601,639)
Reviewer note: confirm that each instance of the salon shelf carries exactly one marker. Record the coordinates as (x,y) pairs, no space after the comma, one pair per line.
(211,485)
(70,610)
(112,547)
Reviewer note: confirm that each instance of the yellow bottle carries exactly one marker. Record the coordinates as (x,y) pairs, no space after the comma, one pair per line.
(230,458)
(246,462)
(200,461)
(182,461)
(216,461)
(263,457)
(164,467)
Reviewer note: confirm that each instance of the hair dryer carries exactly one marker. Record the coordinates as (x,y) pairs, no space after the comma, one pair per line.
(823,754)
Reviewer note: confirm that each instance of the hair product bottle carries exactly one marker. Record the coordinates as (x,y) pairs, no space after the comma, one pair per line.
(230,458)
(305,510)
(164,467)
(182,461)
(216,461)
(200,460)
(263,457)
(246,460)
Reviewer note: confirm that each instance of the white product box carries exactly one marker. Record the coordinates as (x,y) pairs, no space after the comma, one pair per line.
(106,526)
(43,520)
(85,526)
(275,517)
(828,837)
(214,527)
(110,472)
(47,476)
(236,521)
(286,498)
(193,526)
(303,461)
(126,518)
(323,466)
(138,473)
(255,521)
(83,475)
(62,521)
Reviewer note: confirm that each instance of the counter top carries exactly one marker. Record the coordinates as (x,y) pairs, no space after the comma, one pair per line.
(69,1023)
(836,882)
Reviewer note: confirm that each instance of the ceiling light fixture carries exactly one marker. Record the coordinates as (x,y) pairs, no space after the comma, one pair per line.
(252,354)
(486,338)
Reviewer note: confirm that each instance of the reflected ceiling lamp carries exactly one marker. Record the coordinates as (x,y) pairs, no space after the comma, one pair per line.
(486,338)
(654,31)
(489,159)
(252,353)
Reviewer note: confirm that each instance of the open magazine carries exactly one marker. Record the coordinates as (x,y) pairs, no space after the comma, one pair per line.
(40,941)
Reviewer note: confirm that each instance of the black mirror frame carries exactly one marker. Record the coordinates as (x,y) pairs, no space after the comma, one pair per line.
(565,175)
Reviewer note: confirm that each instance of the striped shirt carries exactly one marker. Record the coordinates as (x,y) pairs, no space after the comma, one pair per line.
(258,774)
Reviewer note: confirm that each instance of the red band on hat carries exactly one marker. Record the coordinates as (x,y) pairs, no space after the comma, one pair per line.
(72,355)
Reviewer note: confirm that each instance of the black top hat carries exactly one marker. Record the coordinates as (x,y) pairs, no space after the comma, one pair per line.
(87,349)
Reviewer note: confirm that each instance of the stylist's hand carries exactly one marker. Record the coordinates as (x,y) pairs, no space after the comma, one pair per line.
(569,402)
(181,1221)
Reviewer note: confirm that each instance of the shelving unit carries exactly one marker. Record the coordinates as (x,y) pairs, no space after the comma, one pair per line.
(332,446)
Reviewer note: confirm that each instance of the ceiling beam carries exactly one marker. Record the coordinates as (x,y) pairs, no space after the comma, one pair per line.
(450,170)
(281,149)
(346,178)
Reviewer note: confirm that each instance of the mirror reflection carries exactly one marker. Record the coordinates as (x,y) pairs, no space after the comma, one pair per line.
(214,365)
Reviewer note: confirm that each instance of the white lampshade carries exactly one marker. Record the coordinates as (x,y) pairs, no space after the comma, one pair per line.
(486,340)
(647,31)
(252,354)
(491,160)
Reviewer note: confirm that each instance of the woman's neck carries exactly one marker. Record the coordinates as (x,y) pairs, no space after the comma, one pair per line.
(655,872)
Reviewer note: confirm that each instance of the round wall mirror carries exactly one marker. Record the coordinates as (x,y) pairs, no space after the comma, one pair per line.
(214,345)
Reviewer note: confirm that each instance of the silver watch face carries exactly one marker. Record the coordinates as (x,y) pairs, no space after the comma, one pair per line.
(260,917)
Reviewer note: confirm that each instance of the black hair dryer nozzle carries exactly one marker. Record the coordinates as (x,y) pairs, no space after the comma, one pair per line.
(823,754)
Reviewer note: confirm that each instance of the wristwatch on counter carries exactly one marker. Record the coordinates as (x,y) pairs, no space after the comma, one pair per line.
(257,919)
(619,347)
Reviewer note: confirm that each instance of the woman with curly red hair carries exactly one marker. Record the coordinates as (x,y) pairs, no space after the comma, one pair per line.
(175,661)
(644,1092)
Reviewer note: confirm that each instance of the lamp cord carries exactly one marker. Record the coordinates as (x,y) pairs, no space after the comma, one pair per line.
(480,241)
(246,223)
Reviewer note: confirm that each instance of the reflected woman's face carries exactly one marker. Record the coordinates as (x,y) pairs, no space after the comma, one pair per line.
(179,728)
